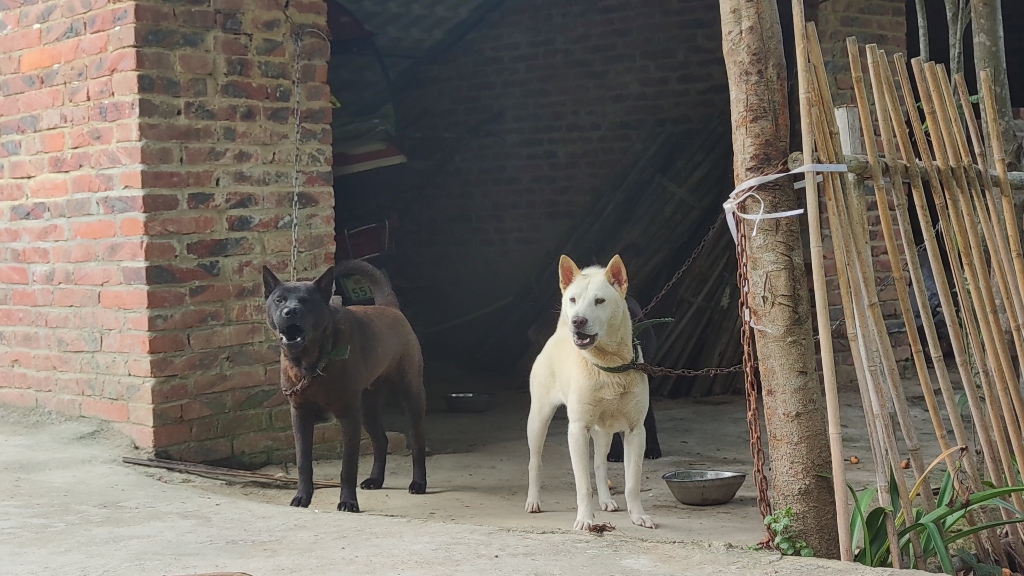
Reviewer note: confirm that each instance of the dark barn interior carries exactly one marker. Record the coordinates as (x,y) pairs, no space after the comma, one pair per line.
(477,140)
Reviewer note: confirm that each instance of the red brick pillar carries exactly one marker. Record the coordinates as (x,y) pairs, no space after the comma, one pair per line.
(146,153)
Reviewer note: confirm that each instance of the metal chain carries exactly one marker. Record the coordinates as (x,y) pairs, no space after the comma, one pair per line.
(298,130)
(764,504)
(295,172)
(679,273)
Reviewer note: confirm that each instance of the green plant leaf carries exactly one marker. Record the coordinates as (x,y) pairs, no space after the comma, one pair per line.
(807,553)
(952,539)
(940,550)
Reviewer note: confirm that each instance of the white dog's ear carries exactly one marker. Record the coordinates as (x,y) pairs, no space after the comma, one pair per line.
(615,273)
(567,272)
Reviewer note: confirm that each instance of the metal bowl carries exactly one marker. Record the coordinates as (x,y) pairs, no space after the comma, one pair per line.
(704,487)
(470,402)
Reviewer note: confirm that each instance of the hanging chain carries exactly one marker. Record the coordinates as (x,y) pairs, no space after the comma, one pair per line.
(296,180)
(764,504)
(295,172)
(679,273)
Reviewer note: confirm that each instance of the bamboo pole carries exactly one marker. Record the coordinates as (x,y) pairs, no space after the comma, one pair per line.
(841,243)
(946,193)
(835,432)
(999,158)
(992,456)
(1004,380)
(892,248)
(977,275)
(972,199)
(874,310)
(932,248)
(992,216)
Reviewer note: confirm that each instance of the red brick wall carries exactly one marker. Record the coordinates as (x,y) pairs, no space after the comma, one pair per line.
(145,176)
(577,82)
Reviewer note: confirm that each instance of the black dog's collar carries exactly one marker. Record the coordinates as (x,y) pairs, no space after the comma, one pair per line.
(339,353)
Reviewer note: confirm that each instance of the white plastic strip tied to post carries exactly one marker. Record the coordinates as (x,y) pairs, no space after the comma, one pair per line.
(741,193)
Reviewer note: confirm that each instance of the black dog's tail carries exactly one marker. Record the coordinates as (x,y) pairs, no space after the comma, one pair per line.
(383,294)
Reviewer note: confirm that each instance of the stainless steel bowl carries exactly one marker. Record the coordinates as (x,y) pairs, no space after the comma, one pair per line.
(470,402)
(704,487)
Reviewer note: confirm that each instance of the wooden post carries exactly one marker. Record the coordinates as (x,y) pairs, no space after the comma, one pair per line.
(795,412)
(835,432)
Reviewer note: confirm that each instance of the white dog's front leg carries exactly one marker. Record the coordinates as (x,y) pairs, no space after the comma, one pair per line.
(541,411)
(579,453)
(633,444)
(602,442)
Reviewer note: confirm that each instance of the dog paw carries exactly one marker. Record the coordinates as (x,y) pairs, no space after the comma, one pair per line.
(653,453)
(351,506)
(609,505)
(371,483)
(583,524)
(533,506)
(301,500)
(417,487)
(615,456)
(643,521)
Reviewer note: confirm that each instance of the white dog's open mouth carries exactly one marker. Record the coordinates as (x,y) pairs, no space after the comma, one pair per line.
(583,341)
(293,334)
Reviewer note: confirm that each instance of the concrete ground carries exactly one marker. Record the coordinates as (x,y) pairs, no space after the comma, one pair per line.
(69,506)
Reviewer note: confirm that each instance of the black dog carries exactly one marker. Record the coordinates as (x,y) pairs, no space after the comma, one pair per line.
(647,345)
(342,360)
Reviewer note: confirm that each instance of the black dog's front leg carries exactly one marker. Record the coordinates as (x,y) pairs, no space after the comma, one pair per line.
(302,428)
(350,436)
(653,449)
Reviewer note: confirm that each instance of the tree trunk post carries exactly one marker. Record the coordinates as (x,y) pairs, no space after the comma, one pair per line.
(990,54)
(780,306)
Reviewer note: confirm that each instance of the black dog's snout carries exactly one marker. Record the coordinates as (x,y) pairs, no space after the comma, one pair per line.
(290,312)
(579,322)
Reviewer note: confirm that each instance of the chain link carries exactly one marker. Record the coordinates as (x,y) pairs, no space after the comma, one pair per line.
(295,172)
(679,273)
(764,504)
(296,180)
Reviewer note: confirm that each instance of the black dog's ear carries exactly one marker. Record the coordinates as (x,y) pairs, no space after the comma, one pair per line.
(270,282)
(325,284)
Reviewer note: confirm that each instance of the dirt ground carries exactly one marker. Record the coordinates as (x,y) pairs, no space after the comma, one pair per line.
(69,506)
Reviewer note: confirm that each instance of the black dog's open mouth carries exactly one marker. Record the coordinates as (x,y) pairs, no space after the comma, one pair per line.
(292,334)
(583,341)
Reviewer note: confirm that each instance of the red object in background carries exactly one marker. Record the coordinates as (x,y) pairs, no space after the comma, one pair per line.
(366,241)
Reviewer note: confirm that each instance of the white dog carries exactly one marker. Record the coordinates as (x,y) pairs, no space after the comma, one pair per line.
(594,330)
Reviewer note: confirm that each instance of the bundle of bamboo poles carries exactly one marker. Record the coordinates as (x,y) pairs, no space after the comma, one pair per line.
(981,243)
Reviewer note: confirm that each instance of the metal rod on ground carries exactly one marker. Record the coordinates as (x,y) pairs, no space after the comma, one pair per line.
(841,244)
(917,280)
(942,195)
(207,470)
(892,248)
(835,432)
